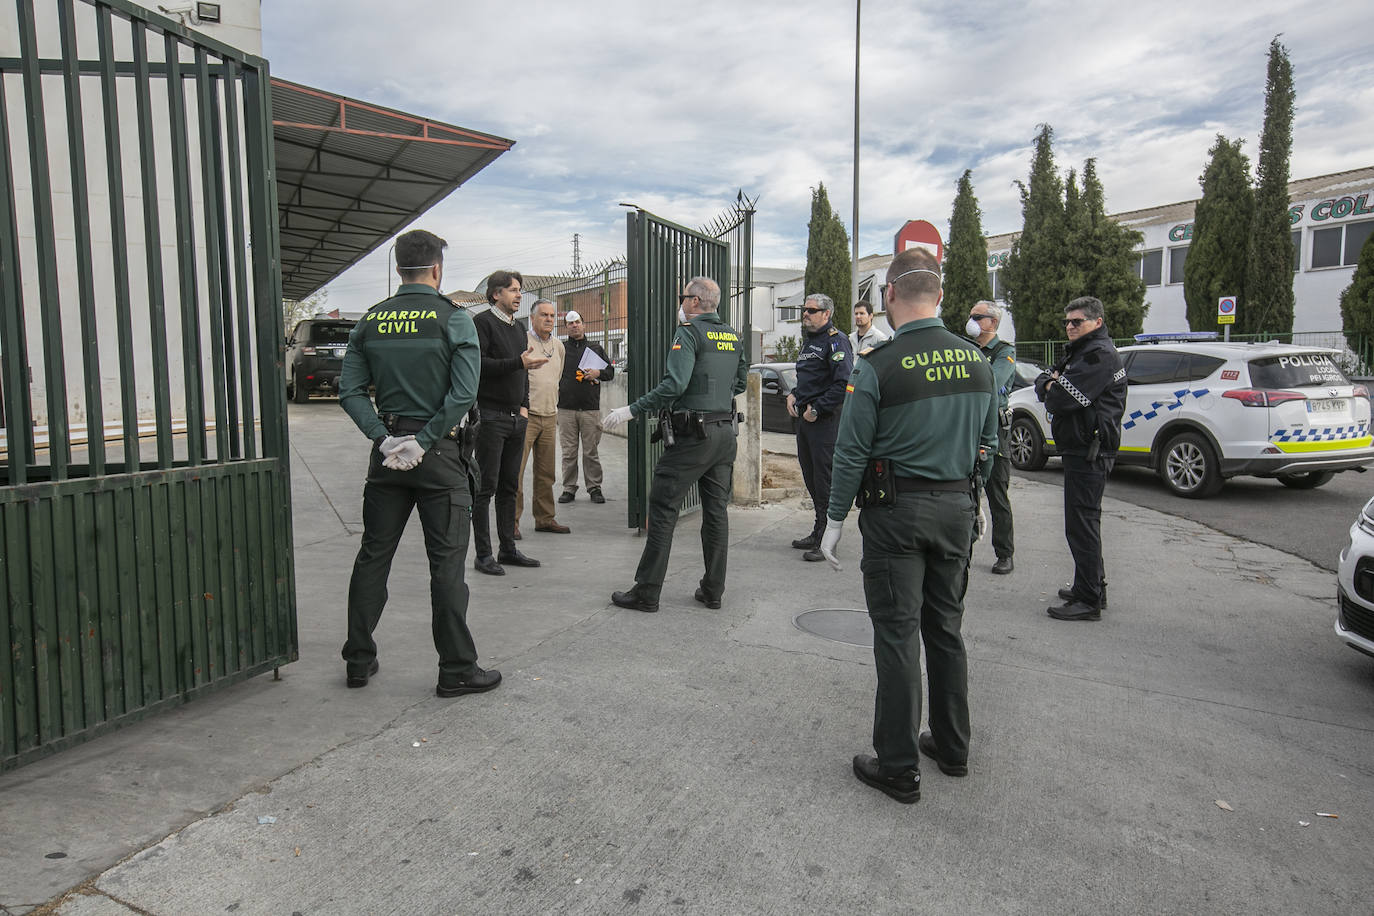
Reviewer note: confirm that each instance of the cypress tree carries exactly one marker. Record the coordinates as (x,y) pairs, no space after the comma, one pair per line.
(1357,306)
(1034,270)
(1221,233)
(1077,260)
(1108,258)
(966,257)
(827,257)
(1269,259)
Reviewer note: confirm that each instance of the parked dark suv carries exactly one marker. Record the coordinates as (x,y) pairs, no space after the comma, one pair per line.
(314,356)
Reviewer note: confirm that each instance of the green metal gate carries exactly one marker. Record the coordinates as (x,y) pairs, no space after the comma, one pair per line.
(662,256)
(145,530)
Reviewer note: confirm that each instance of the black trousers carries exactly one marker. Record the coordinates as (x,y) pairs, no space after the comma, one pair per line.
(1084,484)
(710,463)
(500,445)
(816,453)
(439,488)
(999,500)
(915,574)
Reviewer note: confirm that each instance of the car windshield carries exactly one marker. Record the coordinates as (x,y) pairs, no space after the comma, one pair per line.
(790,377)
(1296,370)
(330,333)
(1029,372)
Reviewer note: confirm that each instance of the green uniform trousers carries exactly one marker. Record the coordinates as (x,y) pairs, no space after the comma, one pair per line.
(915,571)
(439,488)
(709,462)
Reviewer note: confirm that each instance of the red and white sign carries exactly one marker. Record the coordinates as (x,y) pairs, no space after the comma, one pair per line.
(918,233)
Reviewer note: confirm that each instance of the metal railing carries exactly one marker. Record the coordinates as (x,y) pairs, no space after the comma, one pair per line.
(1357,350)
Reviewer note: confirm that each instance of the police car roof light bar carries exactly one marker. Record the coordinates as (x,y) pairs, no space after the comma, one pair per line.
(1175,336)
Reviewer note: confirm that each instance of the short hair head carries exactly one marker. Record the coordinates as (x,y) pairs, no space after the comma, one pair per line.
(821,300)
(539,303)
(863,304)
(417,251)
(1090,306)
(915,275)
(499,281)
(707,289)
(988,307)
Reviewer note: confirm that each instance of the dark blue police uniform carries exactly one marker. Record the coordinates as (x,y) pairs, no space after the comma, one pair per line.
(823,368)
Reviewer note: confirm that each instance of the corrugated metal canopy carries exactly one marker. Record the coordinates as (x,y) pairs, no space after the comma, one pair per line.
(351,175)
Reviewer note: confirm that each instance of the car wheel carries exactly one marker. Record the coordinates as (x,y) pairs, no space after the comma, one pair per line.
(1189,467)
(1025,447)
(299,392)
(1309,481)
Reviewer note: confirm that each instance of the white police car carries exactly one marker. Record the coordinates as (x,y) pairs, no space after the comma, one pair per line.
(1355,585)
(1200,411)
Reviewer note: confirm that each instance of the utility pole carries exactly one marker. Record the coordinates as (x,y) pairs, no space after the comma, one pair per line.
(854,265)
(577,254)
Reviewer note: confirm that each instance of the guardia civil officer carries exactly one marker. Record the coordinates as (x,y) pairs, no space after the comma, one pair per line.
(421,354)
(706,368)
(983,321)
(919,428)
(823,368)
(1085,395)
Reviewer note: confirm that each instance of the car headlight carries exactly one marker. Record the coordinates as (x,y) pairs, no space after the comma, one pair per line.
(1366,519)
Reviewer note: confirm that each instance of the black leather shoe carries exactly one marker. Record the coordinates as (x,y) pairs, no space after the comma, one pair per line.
(1003,566)
(360,680)
(567,496)
(479,681)
(926,742)
(810,542)
(813,556)
(905,787)
(595,495)
(1074,610)
(633,602)
(1066,593)
(488,565)
(515,558)
(712,603)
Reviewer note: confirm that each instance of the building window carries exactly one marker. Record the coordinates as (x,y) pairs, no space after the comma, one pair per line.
(1176,258)
(1297,250)
(995,281)
(789,313)
(1149,266)
(1339,246)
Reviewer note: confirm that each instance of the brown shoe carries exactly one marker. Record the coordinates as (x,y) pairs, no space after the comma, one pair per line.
(553,528)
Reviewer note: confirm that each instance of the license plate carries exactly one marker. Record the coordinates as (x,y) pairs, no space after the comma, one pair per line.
(1326,405)
(340,351)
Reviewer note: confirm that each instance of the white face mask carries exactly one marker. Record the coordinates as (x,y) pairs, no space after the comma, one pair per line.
(973,329)
(681,315)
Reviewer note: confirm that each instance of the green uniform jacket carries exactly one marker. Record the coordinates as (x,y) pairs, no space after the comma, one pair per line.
(420,352)
(923,400)
(1001,356)
(707,367)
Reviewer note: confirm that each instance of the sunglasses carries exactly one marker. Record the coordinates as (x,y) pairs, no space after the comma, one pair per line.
(1075,322)
(683,298)
(979,317)
(813,311)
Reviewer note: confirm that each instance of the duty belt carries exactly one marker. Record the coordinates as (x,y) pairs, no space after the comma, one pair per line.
(409,426)
(725,416)
(925,484)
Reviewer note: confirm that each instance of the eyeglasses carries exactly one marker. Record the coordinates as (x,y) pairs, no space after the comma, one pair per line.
(811,311)
(979,317)
(683,298)
(1075,322)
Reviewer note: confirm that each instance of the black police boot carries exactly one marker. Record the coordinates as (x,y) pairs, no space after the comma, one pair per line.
(905,786)
(926,742)
(360,679)
(633,602)
(479,681)
(810,542)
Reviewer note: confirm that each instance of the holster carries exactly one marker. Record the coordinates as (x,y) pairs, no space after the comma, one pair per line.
(878,486)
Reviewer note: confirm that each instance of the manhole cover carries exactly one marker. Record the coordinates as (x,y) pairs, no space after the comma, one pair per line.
(841,624)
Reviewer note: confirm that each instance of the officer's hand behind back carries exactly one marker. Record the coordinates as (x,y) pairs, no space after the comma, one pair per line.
(405,456)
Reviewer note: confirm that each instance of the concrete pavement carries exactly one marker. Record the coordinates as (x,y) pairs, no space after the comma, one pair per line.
(698,761)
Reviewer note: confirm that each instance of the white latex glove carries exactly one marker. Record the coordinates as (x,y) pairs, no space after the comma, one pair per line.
(617,418)
(981,526)
(391,443)
(406,456)
(830,540)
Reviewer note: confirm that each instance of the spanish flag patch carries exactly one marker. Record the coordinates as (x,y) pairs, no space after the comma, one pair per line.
(848,389)
(677,346)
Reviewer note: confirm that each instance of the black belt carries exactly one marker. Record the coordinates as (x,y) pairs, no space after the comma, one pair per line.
(925,484)
(720,417)
(503,411)
(409,426)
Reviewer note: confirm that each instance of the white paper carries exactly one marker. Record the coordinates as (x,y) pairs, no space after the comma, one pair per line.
(590,360)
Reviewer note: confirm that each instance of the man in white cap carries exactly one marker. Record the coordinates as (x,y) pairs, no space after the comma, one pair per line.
(579,409)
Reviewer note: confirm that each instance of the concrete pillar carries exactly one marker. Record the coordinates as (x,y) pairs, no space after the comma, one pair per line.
(749,448)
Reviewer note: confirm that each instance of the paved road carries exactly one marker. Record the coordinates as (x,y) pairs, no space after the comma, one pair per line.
(1312,524)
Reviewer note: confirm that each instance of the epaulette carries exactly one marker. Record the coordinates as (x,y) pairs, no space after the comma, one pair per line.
(867,350)
(834,331)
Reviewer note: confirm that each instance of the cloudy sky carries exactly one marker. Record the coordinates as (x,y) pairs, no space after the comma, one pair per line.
(675,107)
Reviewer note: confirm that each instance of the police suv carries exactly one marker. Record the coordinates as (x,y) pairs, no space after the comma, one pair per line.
(1200,411)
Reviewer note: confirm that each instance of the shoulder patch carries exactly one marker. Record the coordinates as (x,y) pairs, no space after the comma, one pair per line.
(837,356)
(834,331)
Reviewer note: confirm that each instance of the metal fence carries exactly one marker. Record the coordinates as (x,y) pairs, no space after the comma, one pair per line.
(145,532)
